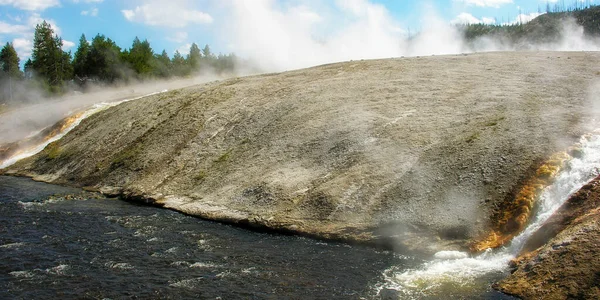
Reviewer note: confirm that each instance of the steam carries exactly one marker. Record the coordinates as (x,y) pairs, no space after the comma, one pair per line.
(279,37)
(22,121)
(275,36)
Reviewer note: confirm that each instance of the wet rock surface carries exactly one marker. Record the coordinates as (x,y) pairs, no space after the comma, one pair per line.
(416,152)
(560,260)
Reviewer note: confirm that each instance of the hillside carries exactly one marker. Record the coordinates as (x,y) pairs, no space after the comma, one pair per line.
(418,152)
(547,28)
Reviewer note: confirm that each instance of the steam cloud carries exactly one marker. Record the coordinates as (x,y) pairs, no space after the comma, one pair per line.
(277,37)
(273,36)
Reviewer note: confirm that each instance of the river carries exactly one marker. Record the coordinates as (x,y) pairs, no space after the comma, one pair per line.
(89,247)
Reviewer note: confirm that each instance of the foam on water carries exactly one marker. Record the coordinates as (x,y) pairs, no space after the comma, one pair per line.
(453,268)
(12,245)
(94,109)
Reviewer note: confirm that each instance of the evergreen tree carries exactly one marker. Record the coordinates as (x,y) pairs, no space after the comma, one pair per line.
(80,61)
(194,57)
(179,65)
(9,72)
(140,57)
(161,66)
(209,58)
(49,62)
(104,60)
(207,52)
(9,62)
(28,69)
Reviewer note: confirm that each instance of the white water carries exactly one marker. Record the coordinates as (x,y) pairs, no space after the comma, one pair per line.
(94,109)
(458,269)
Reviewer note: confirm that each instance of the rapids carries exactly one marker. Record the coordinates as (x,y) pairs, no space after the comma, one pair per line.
(54,246)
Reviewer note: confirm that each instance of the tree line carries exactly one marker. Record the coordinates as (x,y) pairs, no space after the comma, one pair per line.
(101,61)
(546,28)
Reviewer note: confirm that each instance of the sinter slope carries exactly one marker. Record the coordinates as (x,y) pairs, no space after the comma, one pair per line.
(422,149)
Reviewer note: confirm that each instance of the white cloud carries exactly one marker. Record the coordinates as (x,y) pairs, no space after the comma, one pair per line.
(6,28)
(486,3)
(172,14)
(184,49)
(523,18)
(178,37)
(92,12)
(31,4)
(67,45)
(467,18)
(23,47)
(87,1)
(35,19)
(23,33)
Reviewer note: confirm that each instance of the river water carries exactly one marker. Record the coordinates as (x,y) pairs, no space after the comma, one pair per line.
(55,247)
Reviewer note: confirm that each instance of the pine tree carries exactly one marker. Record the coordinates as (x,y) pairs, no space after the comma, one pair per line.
(161,65)
(179,65)
(49,62)
(207,52)
(194,57)
(28,69)
(80,61)
(209,58)
(104,60)
(140,57)
(9,62)
(9,71)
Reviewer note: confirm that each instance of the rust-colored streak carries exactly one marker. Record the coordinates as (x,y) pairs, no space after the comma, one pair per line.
(61,126)
(515,215)
(26,145)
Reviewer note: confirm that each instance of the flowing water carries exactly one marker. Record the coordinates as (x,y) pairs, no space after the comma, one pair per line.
(52,247)
(451,270)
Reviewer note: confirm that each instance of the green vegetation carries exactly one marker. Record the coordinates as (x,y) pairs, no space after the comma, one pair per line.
(9,70)
(53,150)
(126,157)
(546,28)
(100,61)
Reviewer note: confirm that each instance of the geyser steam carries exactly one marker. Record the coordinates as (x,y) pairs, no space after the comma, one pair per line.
(279,37)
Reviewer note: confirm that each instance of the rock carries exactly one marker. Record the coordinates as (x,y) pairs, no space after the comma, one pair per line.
(560,261)
(396,150)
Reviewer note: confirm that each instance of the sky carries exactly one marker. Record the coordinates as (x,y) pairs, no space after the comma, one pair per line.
(246,27)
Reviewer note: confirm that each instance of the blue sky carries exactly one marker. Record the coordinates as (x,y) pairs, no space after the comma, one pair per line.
(174,24)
